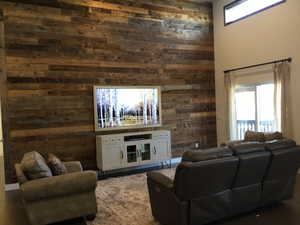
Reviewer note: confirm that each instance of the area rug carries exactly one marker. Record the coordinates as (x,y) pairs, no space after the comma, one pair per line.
(125,200)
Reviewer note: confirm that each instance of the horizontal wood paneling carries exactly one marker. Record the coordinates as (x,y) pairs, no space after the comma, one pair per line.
(56,50)
(4,104)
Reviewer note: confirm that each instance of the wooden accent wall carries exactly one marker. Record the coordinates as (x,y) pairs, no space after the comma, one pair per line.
(56,50)
(2,57)
(3,95)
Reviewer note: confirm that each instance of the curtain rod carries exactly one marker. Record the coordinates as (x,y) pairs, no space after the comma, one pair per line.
(262,64)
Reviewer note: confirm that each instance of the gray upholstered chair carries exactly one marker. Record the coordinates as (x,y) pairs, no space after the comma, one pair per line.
(59,198)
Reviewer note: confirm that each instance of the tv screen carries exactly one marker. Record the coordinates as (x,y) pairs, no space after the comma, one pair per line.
(126,107)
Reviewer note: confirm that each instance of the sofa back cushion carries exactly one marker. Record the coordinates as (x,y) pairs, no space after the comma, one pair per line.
(206,154)
(34,166)
(252,168)
(280,144)
(284,164)
(253,162)
(247,147)
(285,159)
(197,179)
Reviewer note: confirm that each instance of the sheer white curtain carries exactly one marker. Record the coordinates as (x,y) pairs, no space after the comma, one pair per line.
(230,109)
(280,75)
(282,98)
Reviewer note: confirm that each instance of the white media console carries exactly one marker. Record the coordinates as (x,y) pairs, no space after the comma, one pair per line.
(124,150)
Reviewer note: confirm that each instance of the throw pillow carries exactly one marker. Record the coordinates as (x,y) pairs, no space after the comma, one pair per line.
(273,136)
(56,165)
(254,136)
(34,166)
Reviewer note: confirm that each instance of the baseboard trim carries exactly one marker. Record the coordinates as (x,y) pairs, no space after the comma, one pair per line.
(12,187)
(138,169)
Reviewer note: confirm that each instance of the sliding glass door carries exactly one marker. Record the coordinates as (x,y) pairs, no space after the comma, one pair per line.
(255,110)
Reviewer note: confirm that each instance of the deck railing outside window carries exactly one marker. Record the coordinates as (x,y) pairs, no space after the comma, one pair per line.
(245,125)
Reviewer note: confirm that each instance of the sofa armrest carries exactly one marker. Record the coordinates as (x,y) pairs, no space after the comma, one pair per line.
(166,207)
(160,179)
(57,186)
(73,166)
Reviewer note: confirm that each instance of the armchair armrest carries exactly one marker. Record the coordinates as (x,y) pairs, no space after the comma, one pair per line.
(56,186)
(20,174)
(73,166)
(160,179)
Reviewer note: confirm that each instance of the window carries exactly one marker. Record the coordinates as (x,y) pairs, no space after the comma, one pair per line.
(255,108)
(241,9)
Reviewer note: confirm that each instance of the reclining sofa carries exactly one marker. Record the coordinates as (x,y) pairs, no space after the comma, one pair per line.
(216,183)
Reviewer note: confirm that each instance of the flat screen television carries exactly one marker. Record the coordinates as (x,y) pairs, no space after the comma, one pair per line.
(118,107)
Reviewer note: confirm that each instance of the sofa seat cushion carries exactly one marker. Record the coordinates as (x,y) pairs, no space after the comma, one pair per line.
(53,187)
(207,154)
(280,144)
(34,166)
(57,167)
(247,147)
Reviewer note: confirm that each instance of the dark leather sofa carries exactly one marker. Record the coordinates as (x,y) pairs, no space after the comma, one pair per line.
(216,183)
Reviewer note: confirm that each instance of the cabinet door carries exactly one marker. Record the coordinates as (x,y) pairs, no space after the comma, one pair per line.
(146,152)
(131,154)
(162,149)
(112,157)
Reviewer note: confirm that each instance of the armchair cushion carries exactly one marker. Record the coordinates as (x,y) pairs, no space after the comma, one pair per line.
(57,186)
(56,166)
(73,166)
(34,166)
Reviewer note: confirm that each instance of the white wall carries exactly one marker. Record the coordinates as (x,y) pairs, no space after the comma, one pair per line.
(270,35)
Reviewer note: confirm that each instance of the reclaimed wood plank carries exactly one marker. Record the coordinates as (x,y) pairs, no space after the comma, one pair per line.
(103,5)
(51,131)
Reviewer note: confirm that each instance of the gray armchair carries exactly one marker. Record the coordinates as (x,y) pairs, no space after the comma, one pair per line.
(59,198)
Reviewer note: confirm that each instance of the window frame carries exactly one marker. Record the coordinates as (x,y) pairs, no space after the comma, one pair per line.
(250,87)
(237,2)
